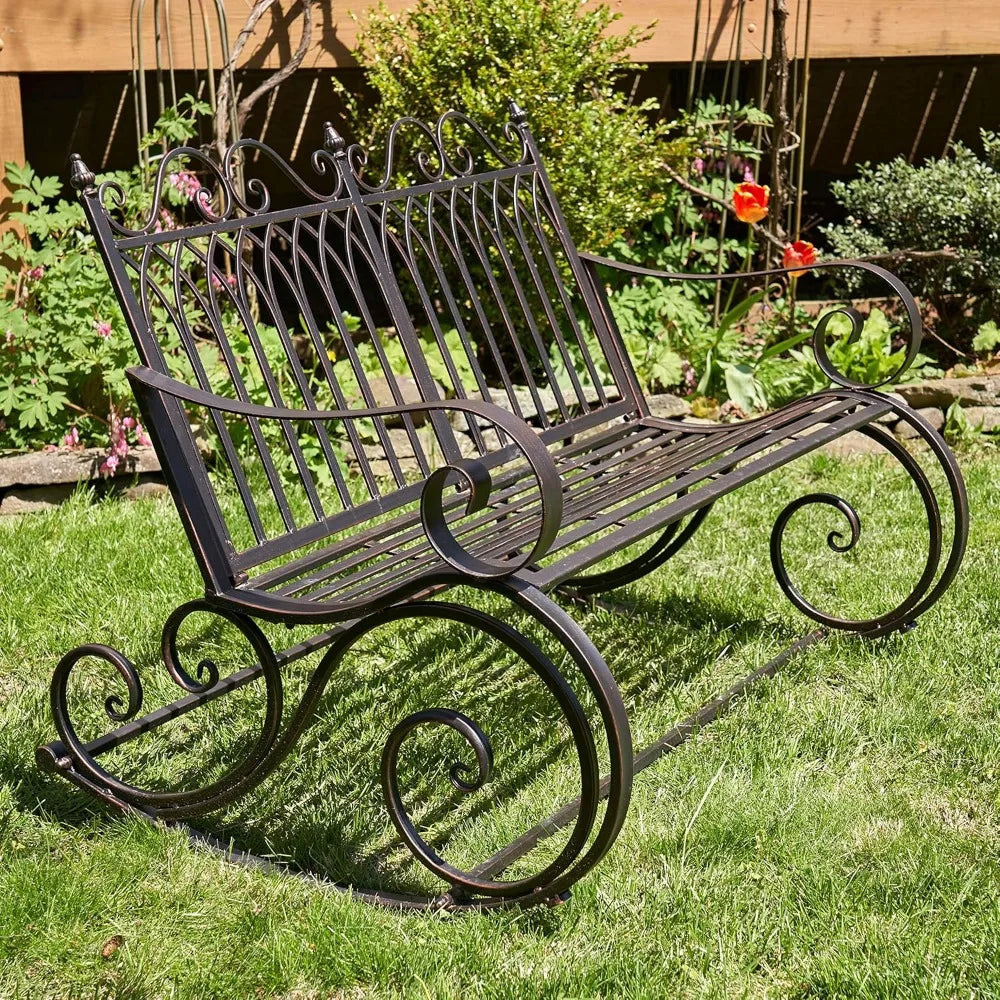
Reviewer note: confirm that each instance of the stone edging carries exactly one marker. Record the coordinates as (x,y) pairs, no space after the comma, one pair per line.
(43,479)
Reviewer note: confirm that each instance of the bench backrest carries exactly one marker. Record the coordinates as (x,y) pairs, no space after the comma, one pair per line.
(457,248)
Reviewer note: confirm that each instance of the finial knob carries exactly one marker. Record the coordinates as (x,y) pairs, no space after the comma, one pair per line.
(333,141)
(81,177)
(517,114)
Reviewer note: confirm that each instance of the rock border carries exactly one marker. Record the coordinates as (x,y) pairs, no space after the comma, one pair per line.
(42,480)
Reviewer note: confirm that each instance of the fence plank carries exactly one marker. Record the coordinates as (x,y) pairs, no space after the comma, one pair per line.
(11,137)
(69,35)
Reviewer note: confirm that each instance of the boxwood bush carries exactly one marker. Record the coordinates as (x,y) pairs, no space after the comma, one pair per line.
(558,60)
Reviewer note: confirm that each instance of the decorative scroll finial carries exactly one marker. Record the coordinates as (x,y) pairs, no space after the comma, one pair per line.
(517,114)
(333,141)
(81,177)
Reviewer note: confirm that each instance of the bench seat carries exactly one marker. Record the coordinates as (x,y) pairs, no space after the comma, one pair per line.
(658,472)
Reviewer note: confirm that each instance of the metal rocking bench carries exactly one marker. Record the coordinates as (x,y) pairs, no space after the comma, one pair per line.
(515,454)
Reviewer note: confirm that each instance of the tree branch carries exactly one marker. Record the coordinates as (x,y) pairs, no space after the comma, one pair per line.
(901,256)
(243,109)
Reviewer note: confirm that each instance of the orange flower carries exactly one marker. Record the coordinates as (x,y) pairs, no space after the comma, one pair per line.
(799,255)
(750,201)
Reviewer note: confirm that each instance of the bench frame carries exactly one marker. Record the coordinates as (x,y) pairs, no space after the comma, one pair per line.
(521,577)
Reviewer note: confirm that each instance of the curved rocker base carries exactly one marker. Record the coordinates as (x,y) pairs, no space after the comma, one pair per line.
(457,900)
(586,844)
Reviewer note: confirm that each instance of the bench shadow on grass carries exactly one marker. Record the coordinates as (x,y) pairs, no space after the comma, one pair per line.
(322,810)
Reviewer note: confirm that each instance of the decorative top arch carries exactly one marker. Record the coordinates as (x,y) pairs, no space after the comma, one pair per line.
(443,150)
(455,146)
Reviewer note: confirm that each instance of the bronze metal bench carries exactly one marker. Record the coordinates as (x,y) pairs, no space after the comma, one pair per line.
(531,451)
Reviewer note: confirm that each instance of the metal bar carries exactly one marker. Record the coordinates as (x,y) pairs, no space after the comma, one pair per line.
(380,506)
(583,516)
(166,713)
(581,511)
(575,562)
(303,211)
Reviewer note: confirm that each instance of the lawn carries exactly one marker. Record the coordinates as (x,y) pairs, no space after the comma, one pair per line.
(834,835)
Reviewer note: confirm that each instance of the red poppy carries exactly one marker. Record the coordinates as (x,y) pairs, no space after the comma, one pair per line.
(799,255)
(750,201)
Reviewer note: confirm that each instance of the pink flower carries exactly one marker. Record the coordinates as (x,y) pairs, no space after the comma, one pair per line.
(72,438)
(690,379)
(9,338)
(36,272)
(142,437)
(186,183)
(748,174)
(164,222)
(117,443)
(217,282)
(103,328)
(698,166)
(128,423)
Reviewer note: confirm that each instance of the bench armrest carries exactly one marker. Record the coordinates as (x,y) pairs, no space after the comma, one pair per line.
(913,335)
(472,472)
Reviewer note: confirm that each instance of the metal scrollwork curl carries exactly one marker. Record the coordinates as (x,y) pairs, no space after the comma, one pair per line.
(461,724)
(175,802)
(476,479)
(913,333)
(514,134)
(255,186)
(444,155)
(835,540)
(202,200)
(471,881)
(929,584)
(357,156)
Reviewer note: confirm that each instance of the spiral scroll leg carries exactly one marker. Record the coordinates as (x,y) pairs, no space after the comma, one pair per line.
(84,765)
(582,850)
(931,584)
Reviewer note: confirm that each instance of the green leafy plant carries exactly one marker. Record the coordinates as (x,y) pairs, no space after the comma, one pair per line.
(948,210)
(987,337)
(558,60)
(63,341)
(958,428)
(872,358)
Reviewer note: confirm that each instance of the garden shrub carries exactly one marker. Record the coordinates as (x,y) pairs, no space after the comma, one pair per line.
(557,59)
(65,346)
(949,202)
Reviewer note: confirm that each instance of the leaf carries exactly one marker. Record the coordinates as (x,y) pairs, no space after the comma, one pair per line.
(706,378)
(110,946)
(744,389)
(738,312)
(987,338)
(666,369)
(784,345)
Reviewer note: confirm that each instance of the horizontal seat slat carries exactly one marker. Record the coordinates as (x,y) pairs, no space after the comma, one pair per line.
(672,466)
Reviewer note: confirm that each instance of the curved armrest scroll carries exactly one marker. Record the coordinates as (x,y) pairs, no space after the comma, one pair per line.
(914,334)
(471,472)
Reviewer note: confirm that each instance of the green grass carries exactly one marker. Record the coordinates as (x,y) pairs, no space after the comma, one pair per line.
(835,835)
